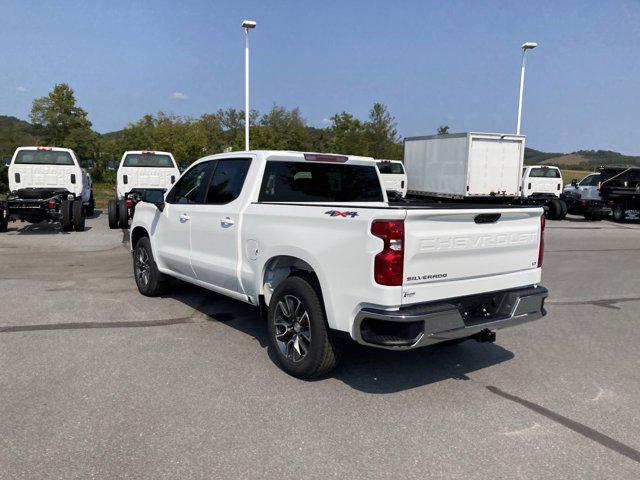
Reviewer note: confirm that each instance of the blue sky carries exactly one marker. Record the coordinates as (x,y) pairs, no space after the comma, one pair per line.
(453,62)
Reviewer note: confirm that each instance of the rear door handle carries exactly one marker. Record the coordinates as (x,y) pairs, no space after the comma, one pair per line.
(184,218)
(227,222)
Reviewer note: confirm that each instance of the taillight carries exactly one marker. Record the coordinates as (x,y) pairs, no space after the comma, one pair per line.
(128,202)
(541,249)
(389,262)
(52,204)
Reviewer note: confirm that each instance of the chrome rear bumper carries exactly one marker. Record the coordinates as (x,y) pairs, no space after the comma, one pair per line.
(424,324)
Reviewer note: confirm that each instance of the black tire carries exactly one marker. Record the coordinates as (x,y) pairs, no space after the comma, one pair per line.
(555,209)
(150,281)
(618,214)
(564,209)
(316,352)
(66,219)
(90,209)
(4,220)
(112,211)
(78,216)
(123,215)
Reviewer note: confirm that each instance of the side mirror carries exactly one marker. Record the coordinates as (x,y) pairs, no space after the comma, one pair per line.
(7,161)
(154,196)
(182,167)
(574,182)
(111,165)
(87,164)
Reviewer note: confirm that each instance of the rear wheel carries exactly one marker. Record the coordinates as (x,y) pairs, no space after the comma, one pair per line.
(149,280)
(298,331)
(112,212)
(78,216)
(123,214)
(66,215)
(619,214)
(564,209)
(555,209)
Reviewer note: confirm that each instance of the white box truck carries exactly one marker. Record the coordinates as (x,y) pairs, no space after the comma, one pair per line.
(473,167)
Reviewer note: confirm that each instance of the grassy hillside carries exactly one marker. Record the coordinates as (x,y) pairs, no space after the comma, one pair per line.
(585,160)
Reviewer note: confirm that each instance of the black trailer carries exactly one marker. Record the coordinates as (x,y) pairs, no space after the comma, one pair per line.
(35,205)
(620,191)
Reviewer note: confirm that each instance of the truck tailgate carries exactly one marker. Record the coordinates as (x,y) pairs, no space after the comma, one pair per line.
(458,252)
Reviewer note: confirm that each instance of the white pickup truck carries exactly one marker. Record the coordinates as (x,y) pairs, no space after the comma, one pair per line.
(394,178)
(312,240)
(47,184)
(138,171)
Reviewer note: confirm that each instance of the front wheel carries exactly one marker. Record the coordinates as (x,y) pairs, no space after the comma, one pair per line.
(150,281)
(298,331)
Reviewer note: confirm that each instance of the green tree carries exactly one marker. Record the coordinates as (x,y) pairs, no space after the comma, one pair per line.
(443,130)
(60,122)
(382,135)
(347,135)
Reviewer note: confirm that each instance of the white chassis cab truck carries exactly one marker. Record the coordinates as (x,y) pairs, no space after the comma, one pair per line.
(312,240)
(139,170)
(394,178)
(47,184)
(474,167)
(544,183)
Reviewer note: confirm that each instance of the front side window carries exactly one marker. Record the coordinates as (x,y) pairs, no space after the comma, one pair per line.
(589,181)
(544,173)
(227,181)
(43,157)
(319,182)
(390,168)
(148,160)
(187,189)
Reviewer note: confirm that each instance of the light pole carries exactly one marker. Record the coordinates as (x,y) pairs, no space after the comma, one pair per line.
(246,24)
(525,47)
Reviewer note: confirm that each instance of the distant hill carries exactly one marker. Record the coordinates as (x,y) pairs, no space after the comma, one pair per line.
(580,160)
(15,133)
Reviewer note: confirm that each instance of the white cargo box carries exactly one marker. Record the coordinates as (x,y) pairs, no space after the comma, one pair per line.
(464,165)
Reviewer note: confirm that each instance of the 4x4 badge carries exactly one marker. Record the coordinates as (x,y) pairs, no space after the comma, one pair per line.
(336,213)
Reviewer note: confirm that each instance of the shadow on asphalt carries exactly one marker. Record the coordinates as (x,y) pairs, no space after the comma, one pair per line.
(366,369)
(46,228)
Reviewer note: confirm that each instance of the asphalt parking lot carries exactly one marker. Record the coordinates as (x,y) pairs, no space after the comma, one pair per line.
(97,381)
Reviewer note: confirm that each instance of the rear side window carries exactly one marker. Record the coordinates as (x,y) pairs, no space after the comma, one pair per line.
(43,157)
(188,188)
(148,160)
(319,182)
(390,167)
(227,181)
(544,173)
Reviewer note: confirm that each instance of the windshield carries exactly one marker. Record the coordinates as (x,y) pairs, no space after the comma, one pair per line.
(544,173)
(319,182)
(390,167)
(148,160)
(43,157)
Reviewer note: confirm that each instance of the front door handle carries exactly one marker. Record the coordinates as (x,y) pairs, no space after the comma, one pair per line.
(184,218)
(227,222)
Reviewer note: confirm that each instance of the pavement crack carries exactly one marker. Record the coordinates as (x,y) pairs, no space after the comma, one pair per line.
(603,302)
(88,325)
(588,432)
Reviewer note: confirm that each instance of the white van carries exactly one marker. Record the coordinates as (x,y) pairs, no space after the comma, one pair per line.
(393,176)
(140,170)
